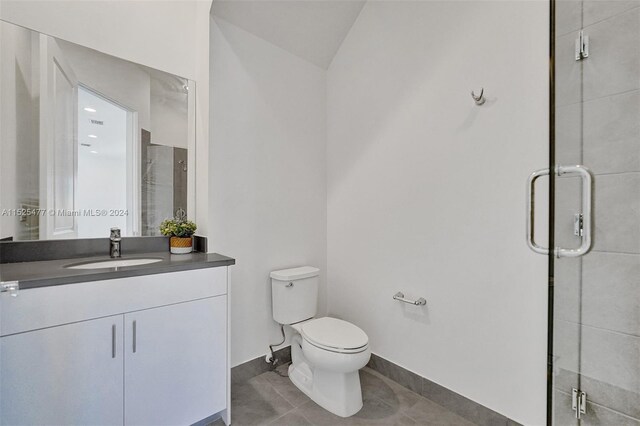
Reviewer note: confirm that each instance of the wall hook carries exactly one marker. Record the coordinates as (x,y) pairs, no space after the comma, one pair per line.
(479,99)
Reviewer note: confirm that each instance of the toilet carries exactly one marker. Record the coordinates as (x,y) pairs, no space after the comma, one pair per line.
(326,353)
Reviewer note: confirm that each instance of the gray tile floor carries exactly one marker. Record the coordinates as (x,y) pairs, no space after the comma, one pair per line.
(271,399)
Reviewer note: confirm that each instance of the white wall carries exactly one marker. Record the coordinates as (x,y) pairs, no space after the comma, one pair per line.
(159,34)
(426,193)
(172,36)
(268,181)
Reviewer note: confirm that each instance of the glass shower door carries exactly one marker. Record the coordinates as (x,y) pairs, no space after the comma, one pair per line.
(595,351)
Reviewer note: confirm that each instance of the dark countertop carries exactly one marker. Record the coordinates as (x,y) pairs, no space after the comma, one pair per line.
(52,272)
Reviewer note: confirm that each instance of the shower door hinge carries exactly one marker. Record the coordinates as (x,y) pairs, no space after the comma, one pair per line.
(578,402)
(578,225)
(582,46)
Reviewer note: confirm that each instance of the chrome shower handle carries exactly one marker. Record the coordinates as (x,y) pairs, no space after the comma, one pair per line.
(587,193)
(531,195)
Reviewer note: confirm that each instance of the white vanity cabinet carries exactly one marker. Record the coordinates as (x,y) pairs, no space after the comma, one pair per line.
(175,363)
(147,350)
(70,374)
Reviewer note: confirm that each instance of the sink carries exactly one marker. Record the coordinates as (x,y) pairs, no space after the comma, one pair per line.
(113,263)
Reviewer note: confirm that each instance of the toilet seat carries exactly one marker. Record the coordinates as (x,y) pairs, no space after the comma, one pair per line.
(334,335)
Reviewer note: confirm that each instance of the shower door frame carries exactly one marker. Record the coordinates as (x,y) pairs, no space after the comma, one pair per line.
(551,239)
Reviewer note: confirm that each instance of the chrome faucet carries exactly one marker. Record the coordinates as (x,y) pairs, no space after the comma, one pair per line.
(115,242)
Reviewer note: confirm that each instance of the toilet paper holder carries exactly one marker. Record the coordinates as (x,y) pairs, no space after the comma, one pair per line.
(400,297)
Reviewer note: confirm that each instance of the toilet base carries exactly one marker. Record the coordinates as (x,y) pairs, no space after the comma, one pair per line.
(337,392)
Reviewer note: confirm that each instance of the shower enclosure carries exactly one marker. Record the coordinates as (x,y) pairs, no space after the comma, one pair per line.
(594,345)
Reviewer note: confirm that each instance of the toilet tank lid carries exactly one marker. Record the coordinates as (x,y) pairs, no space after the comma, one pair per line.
(295,273)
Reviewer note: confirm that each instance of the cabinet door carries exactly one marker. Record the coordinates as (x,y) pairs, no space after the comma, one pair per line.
(175,363)
(66,375)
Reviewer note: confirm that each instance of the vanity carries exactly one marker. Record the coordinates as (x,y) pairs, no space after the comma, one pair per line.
(92,143)
(145,344)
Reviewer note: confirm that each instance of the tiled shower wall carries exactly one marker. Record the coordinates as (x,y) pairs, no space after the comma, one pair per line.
(164,183)
(597,306)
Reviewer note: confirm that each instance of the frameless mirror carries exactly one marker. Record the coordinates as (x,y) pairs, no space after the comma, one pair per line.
(89,141)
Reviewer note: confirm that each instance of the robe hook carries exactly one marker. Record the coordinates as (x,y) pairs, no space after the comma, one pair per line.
(479,99)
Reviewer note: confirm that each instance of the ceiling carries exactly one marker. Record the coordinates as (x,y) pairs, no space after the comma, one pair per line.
(310,29)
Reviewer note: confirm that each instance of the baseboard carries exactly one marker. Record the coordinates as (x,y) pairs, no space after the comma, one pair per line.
(213,420)
(462,406)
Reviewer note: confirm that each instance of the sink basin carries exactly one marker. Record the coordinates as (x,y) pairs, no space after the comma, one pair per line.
(113,263)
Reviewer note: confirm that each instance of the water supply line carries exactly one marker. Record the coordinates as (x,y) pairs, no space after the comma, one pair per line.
(271,357)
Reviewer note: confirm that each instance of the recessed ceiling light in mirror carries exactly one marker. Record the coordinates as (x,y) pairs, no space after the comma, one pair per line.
(89,109)
(92,136)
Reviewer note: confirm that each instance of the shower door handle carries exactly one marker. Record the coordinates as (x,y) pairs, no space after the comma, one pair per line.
(587,193)
(531,196)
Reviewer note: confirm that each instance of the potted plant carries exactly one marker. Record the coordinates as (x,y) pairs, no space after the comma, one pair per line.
(181,232)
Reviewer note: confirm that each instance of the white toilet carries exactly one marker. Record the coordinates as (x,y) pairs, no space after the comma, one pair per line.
(326,352)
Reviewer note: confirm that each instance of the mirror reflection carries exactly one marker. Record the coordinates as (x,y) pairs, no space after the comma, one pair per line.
(88,141)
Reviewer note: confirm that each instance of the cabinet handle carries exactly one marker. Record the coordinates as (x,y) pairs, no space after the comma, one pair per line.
(113,341)
(134,337)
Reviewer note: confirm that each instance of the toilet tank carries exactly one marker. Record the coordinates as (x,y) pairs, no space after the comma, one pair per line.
(294,294)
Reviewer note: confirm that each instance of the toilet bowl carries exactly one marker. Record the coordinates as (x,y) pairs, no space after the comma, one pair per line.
(326,353)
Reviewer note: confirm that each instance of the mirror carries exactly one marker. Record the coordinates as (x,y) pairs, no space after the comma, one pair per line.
(89,141)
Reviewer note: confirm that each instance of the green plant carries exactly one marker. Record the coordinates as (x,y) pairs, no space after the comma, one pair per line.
(177,228)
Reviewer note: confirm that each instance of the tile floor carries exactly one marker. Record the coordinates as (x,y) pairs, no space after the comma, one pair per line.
(271,399)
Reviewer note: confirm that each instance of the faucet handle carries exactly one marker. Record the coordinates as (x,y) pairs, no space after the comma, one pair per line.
(115,234)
